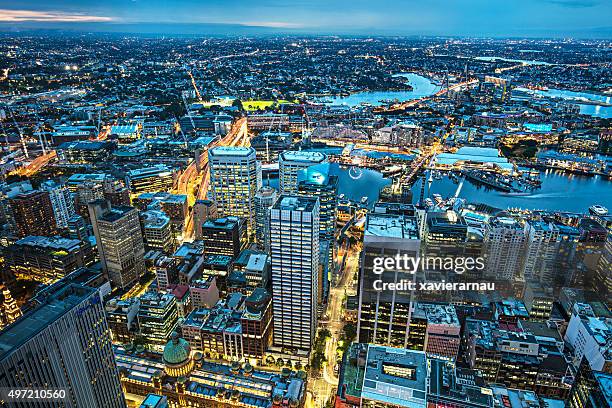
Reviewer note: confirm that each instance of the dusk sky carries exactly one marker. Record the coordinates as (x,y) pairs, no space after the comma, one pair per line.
(554,18)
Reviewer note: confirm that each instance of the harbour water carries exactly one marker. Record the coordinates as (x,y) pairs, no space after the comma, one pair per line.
(421,87)
(591,109)
(559,191)
(519,61)
(353,182)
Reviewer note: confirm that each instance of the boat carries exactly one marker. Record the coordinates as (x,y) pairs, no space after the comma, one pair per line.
(438,198)
(598,210)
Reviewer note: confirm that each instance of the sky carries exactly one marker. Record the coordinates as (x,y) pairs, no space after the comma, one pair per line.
(479,18)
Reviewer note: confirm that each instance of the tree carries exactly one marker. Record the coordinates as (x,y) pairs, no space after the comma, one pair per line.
(238,104)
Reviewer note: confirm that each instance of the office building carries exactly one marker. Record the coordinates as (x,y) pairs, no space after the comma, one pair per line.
(384,315)
(442,329)
(157,318)
(61,202)
(235,178)
(157,231)
(150,179)
(203,210)
(33,214)
(589,336)
(174,205)
(119,241)
(77,228)
(166,271)
(63,343)
(47,259)
(224,236)
(89,187)
(290,163)
(376,376)
(451,386)
(294,251)
(85,151)
(264,199)
(591,389)
(122,317)
(316,181)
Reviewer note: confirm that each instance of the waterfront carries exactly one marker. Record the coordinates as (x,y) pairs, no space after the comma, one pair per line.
(353,182)
(519,61)
(591,108)
(560,191)
(421,87)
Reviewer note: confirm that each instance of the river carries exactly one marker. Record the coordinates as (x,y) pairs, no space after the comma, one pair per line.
(421,87)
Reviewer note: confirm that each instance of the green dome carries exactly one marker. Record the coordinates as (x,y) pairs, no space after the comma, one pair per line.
(177,350)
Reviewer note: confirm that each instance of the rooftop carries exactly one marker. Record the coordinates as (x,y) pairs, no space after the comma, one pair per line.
(302,156)
(231,151)
(295,203)
(391,226)
(54,243)
(57,304)
(395,376)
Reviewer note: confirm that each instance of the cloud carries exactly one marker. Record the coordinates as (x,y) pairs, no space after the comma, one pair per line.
(574,3)
(7,15)
(271,24)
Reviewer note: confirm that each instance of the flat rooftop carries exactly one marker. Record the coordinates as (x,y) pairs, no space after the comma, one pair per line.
(295,203)
(395,376)
(237,151)
(62,301)
(391,226)
(302,156)
(55,243)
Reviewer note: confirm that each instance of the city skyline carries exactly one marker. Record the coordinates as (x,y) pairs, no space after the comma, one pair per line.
(473,18)
(272,217)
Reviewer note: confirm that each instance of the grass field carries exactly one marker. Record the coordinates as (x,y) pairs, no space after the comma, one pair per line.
(260,104)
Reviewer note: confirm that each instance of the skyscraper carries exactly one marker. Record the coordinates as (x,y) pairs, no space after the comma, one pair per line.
(61,201)
(504,243)
(384,315)
(264,199)
(316,181)
(291,162)
(64,343)
(294,248)
(33,214)
(235,178)
(541,250)
(119,240)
